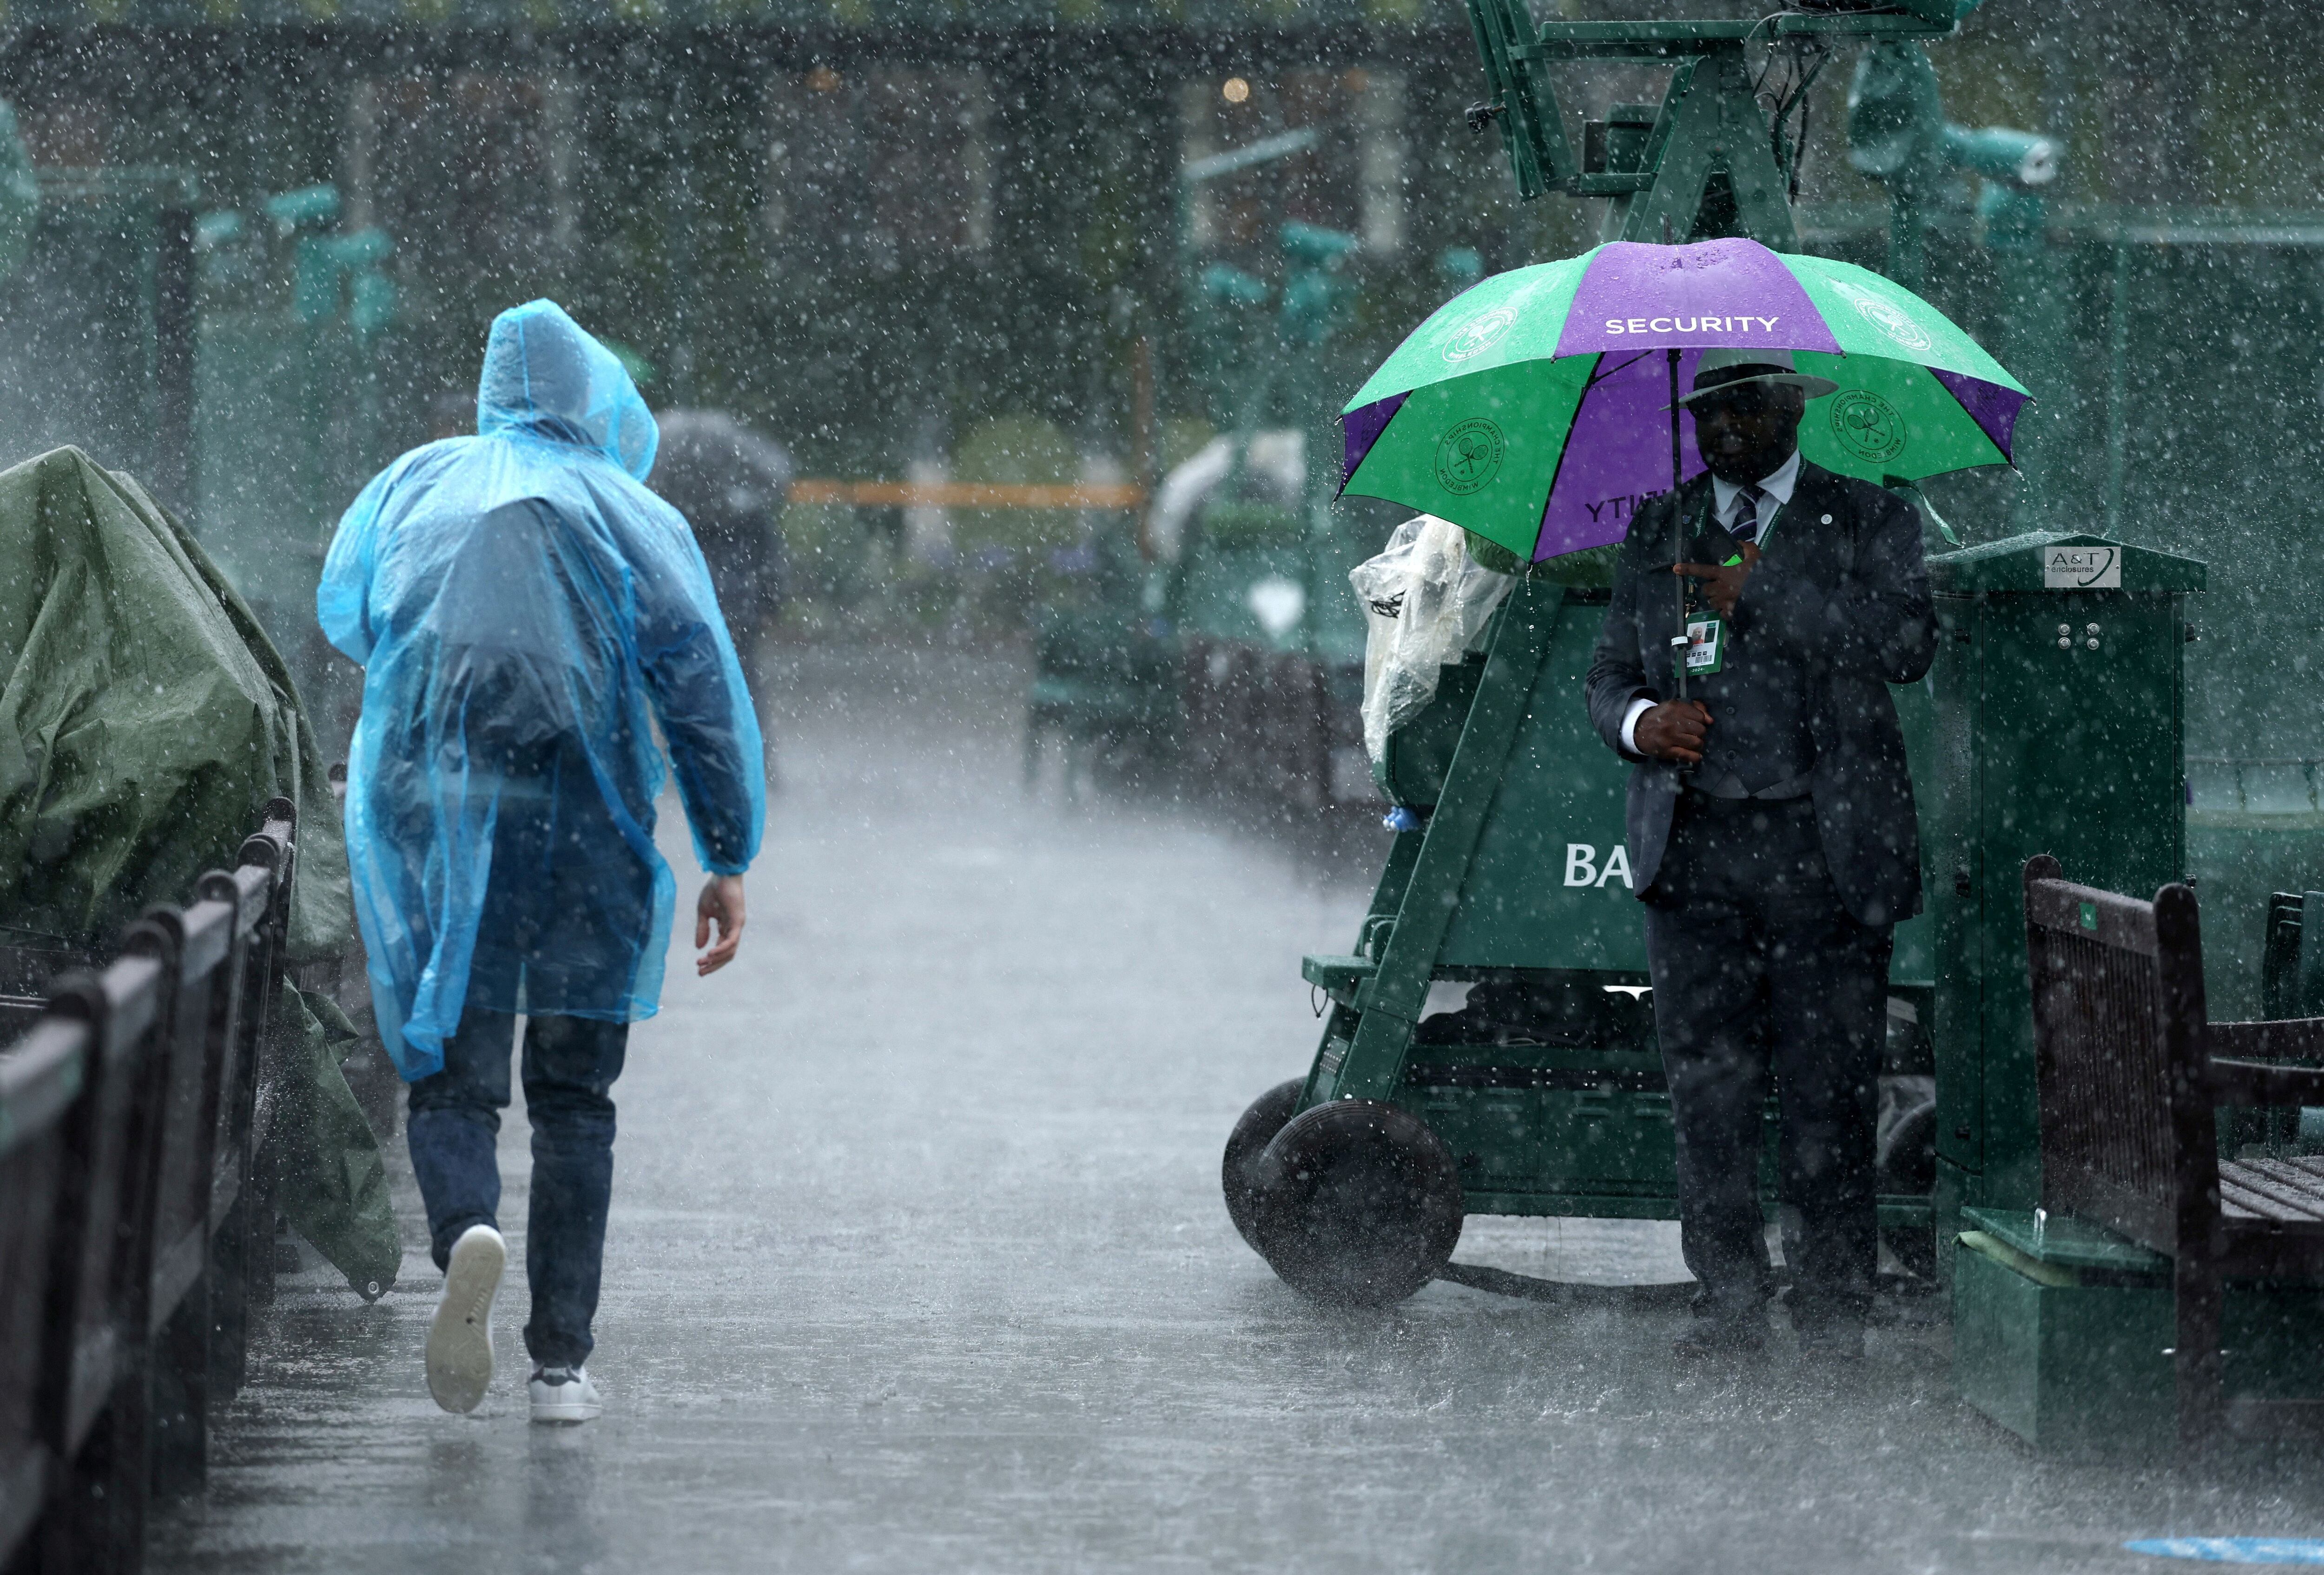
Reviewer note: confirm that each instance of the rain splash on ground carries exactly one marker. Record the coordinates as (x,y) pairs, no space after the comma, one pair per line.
(918,1264)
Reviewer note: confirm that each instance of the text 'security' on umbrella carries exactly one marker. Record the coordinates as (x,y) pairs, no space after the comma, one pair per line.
(1535,409)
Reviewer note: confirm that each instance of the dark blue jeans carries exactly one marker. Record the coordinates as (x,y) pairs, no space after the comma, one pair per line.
(569,1064)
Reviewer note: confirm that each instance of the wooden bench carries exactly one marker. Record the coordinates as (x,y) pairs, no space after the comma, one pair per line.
(2132,1076)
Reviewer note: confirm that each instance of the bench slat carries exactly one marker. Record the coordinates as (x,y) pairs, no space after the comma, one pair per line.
(2280,1192)
(2305,1173)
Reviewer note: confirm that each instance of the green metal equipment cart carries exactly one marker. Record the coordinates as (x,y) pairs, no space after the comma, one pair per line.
(1544,1095)
(1238,657)
(2051,721)
(97,313)
(294,309)
(1270,653)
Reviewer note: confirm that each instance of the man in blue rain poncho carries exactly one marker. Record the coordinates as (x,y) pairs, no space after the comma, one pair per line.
(526,612)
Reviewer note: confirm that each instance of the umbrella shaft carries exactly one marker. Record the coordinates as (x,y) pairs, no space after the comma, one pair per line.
(1678,536)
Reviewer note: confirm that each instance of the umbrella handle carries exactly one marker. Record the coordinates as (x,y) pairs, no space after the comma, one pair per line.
(1678,658)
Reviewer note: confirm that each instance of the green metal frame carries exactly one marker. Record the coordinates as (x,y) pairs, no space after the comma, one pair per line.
(1390,988)
(1710,126)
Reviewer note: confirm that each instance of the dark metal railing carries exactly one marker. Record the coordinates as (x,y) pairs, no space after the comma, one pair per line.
(2283,784)
(134,1225)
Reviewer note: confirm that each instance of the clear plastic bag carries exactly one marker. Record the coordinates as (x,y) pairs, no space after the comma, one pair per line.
(1426,602)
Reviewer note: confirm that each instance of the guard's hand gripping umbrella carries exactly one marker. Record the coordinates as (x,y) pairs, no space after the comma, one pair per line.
(1537,408)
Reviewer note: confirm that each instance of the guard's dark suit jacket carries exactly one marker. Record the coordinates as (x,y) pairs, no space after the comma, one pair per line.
(1847,599)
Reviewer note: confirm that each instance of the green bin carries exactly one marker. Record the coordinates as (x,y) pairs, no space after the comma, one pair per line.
(2058,730)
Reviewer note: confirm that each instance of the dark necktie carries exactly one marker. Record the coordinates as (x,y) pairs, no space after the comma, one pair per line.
(1752,508)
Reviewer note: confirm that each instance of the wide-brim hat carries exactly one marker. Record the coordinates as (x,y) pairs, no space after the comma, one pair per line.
(1723,369)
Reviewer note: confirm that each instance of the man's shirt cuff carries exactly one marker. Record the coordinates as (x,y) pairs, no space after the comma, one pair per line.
(1638,707)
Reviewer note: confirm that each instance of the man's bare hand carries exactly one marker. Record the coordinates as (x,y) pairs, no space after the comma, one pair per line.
(721,905)
(1722,587)
(1674,729)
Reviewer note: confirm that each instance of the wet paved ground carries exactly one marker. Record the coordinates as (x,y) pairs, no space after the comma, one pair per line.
(918,1264)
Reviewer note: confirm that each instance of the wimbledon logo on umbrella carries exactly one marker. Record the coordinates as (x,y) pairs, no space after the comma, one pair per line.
(1468,456)
(1885,315)
(1479,334)
(1867,424)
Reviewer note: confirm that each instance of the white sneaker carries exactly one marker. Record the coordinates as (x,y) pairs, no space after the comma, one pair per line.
(563,1394)
(460,1339)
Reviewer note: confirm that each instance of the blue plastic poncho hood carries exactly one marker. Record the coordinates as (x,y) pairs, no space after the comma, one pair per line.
(545,377)
(526,612)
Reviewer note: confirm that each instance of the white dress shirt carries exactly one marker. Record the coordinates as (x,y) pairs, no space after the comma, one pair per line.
(1727,500)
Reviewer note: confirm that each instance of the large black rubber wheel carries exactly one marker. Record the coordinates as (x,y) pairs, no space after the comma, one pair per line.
(1358,1204)
(1268,1115)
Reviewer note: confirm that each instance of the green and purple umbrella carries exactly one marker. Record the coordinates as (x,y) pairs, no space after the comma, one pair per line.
(1535,409)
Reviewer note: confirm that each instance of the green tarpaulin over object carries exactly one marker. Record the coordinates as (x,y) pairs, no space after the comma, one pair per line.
(144,717)
(330,1182)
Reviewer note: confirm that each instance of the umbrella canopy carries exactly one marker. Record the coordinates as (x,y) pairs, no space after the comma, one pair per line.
(709,462)
(731,484)
(1535,408)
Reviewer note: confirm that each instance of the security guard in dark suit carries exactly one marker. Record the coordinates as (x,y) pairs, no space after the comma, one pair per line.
(1772,833)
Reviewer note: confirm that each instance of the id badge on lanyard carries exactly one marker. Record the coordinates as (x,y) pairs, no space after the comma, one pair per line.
(1706,644)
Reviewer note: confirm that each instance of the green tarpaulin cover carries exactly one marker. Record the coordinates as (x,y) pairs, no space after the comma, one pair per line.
(144,717)
(330,1182)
